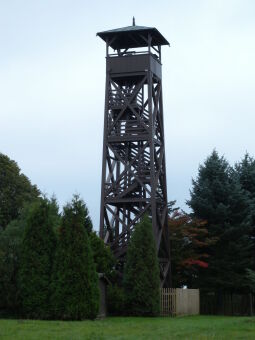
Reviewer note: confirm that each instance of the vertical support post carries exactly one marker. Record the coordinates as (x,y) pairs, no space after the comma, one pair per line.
(107,48)
(152,167)
(159,54)
(117,223)
(149,43)
(165,233)
(102,209)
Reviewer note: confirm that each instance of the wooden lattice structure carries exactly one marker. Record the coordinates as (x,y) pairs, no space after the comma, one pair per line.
(133,168)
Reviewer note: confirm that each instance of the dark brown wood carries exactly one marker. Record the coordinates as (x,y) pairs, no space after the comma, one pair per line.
(133,167)
(133,36)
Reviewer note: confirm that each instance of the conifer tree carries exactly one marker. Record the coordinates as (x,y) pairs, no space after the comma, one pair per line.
(218,197)
(37,251)
(211,190)
(75,292)
(85,219)
(10,244)
(102,254)
(141,272)
(246,172)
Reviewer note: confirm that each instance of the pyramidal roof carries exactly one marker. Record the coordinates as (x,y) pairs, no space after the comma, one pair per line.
(132,36)
(127,29)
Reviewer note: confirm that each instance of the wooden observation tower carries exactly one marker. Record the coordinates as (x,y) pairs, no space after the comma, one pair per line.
(133,168)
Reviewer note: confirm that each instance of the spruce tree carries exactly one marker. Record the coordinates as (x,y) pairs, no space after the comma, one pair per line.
(210,191)
(246,172)
(141,272)
(75,292)
(218,197)
(37,251)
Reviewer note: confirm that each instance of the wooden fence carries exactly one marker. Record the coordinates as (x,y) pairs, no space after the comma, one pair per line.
(178,301)
(219,303)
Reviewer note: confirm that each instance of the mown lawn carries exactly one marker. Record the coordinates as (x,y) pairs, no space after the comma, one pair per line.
(190,327)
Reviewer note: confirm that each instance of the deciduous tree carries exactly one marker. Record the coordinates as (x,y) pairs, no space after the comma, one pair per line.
(15,190)
(189,242)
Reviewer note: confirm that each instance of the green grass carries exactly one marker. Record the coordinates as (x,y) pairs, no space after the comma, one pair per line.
(190,327)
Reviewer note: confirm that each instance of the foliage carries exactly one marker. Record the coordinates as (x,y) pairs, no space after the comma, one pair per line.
(85,219)
(102,254)
(218,197)
(141,273)
(210,192)
(75,292)
(15,190)
(10,243)
(189,242)
(246,173)
(250,275)
(37,251)
(10,247)
(54,214)
(115,300)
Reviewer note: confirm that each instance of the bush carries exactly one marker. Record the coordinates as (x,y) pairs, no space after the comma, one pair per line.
(102,254)
(75,292)
(141,272)
(115,300)
(37,251)
(10,244)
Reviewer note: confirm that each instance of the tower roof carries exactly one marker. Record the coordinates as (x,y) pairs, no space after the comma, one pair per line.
(132,36)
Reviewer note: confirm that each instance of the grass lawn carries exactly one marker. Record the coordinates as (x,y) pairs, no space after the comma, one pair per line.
(189,327)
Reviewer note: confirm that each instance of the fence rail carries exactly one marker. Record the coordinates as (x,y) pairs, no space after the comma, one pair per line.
(178,301)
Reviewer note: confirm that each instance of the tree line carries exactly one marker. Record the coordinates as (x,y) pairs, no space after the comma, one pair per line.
(213,246)
(49,261)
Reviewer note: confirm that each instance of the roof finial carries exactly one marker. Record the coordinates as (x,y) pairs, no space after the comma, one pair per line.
(133,21)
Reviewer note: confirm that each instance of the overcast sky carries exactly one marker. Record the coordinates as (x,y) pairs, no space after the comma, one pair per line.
(52,78)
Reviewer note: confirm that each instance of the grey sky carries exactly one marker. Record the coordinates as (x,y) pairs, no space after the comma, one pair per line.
(52,77)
